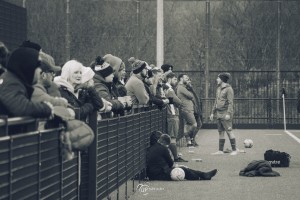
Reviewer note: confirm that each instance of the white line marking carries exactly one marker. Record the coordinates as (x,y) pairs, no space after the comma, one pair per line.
(293,136)
(273,134)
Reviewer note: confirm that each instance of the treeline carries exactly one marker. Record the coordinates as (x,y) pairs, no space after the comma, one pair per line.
(242,34)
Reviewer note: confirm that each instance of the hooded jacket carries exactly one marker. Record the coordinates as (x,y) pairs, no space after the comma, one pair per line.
(104,90)
(16,86)
(81,106)
(224,101)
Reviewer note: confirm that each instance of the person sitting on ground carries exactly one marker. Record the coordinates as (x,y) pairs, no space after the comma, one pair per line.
(160,163)
(69,82)
(23,71)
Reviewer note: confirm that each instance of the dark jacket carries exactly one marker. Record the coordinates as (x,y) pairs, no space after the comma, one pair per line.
(159,162)
(118,89)
(153,99)
(104,90)
(16,86)
(258,168)
(82,108)
(196,101)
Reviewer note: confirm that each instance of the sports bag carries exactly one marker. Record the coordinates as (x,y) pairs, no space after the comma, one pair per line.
(277,158)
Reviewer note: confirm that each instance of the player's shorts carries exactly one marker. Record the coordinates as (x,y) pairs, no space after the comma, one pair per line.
(224,125)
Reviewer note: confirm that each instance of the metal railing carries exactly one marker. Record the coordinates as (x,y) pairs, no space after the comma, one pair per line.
(31,166)
(258,113)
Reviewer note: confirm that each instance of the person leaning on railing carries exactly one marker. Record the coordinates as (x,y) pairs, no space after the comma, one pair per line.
(23,70)
(135,86)
(103,79)
(70,87)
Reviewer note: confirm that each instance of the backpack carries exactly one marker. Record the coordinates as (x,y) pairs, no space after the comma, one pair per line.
(277,158)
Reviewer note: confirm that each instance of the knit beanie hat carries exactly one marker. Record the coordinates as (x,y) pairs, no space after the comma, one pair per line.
(113,61)
(102,67)
(137,65)
(224,77)
(167,67)
(31,45)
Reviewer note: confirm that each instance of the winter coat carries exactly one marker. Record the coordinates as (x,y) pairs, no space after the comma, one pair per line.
(186,97)
(196,101)
(136,89)
(104,90)
(224,101)
(40,94)
(153,99)
(118,88)
(258,168)
(159,162)
(16,86)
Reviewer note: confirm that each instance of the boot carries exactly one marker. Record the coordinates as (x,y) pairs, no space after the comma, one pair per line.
(207,175)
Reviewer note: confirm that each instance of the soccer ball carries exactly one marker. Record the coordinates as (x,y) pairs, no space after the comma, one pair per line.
(177,174)
(248,143)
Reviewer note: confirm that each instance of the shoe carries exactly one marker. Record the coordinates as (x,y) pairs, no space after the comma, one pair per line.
(208,175)
(227,150)
(196,144)
(233,153)
(218,153)
(179,159)
(189,145)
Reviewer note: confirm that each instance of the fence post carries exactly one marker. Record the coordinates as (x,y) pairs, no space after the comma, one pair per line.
(92,158)
(269,113)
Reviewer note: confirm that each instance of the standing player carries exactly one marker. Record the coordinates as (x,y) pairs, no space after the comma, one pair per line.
(223,111)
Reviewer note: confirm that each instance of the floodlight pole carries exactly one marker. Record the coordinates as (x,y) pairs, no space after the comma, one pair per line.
(68,30)
(278,53)
(160,33)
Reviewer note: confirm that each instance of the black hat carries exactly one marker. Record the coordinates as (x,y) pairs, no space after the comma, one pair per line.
(224,77)
(31,45)
(103,68)
(167,67)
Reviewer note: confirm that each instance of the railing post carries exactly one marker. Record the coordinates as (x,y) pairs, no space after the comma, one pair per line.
(92,158)
(269,113)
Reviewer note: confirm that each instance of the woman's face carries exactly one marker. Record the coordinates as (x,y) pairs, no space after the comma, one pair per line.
(75,77)
(122,74)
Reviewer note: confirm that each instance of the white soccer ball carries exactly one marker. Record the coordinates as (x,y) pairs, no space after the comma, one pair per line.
(248,143)
(177,174)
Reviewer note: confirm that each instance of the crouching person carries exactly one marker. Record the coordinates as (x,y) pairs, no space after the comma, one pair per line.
(160,163)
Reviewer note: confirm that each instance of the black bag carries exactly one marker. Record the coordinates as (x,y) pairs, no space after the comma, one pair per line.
(277,158)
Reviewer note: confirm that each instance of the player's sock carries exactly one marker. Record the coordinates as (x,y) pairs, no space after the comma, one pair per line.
(221,144)
(233,145)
